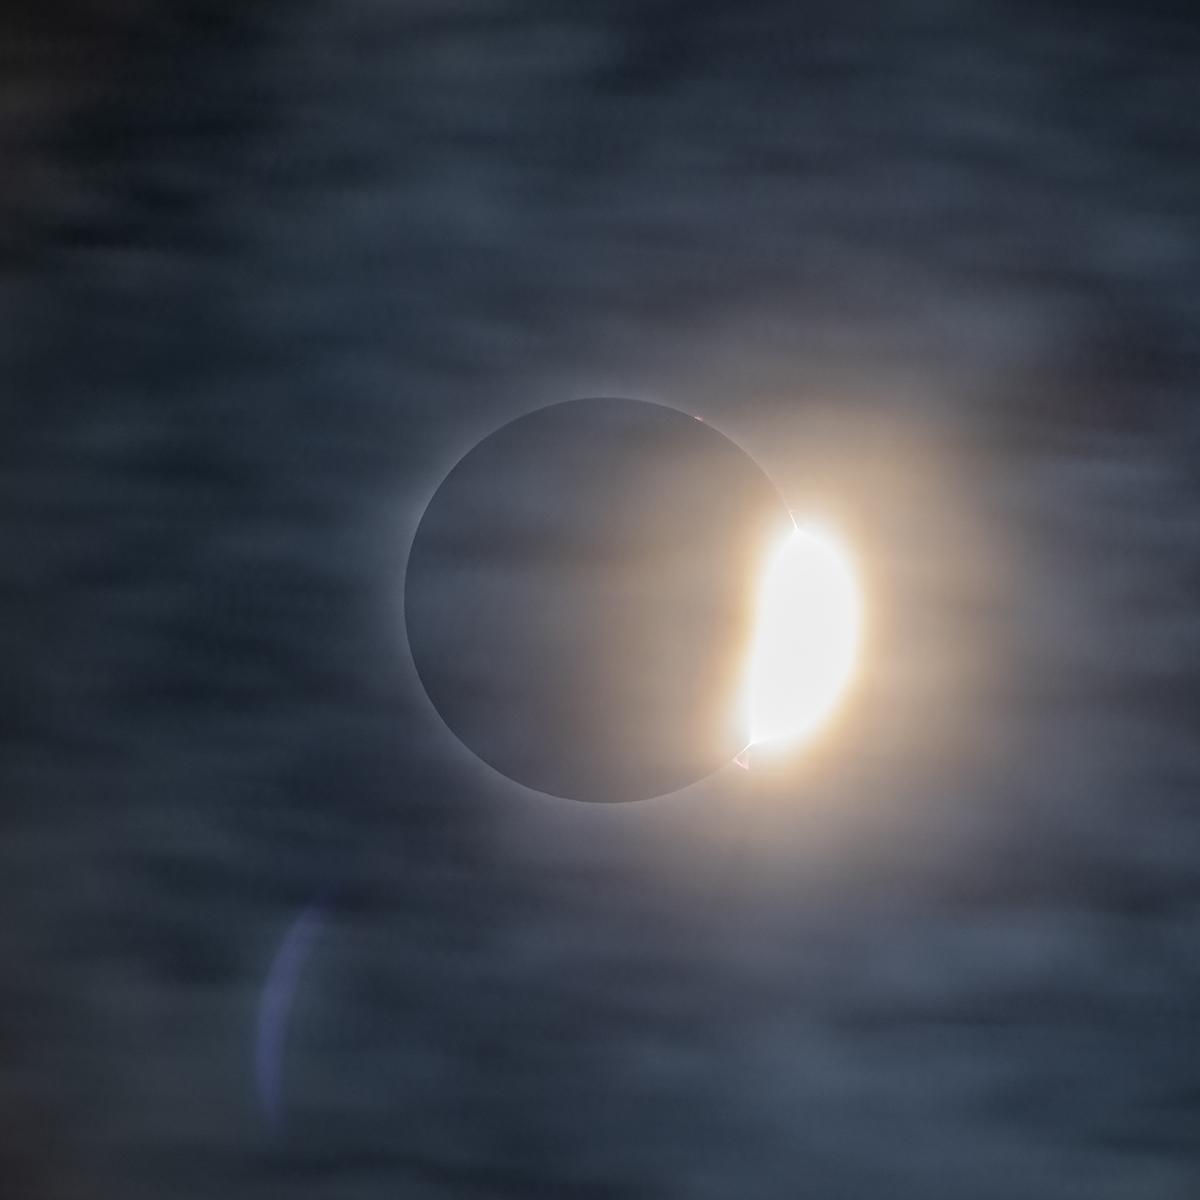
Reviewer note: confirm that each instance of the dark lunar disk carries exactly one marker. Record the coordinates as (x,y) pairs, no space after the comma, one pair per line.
(580,592)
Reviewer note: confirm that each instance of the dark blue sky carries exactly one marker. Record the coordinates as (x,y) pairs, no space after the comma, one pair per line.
(269,273)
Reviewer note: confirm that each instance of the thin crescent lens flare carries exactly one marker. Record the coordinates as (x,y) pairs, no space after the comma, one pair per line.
(275,1007)
(806,636)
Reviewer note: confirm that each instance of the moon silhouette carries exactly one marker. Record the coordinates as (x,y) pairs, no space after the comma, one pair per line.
(580,593)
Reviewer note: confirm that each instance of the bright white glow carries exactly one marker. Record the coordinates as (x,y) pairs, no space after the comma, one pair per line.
(805,640)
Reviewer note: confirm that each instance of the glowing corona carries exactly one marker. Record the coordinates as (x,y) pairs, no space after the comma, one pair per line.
(805,642)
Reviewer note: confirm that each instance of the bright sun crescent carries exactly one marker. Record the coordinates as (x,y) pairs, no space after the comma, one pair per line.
(805,642)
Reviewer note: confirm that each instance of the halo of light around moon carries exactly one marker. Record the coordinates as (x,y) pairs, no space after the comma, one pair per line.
(581,592)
